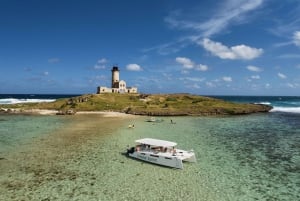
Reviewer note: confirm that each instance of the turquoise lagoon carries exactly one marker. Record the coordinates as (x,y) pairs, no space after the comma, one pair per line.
(17,130)
(250,157)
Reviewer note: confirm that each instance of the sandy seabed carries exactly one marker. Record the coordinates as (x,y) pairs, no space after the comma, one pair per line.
(54,112)
(46,168)
(84,160)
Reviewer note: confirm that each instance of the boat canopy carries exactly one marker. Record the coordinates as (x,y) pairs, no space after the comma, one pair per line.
(155,142)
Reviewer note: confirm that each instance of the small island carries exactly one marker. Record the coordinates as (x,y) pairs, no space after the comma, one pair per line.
(121,98)
(143,104)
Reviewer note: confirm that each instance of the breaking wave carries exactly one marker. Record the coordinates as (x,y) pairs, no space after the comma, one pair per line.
(16,101)
(283,106)
(286,109)
(264,103)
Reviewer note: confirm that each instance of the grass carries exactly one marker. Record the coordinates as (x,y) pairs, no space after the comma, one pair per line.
(148,104)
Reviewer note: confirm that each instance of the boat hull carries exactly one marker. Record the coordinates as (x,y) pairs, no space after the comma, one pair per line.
(188,156)
(160,152)
(169,161)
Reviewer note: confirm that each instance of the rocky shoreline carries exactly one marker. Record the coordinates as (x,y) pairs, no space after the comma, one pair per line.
(212,112)
(137,104)
(215,112)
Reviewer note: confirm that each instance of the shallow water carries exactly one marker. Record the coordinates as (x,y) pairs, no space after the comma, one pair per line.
(17,130)
(251,157)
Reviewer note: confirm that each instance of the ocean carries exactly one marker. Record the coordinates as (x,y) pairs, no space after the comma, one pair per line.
(279,103)
(243,157)
(31,98)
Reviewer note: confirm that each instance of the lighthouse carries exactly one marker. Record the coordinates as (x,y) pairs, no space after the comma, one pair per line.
(117,85)
(115,77)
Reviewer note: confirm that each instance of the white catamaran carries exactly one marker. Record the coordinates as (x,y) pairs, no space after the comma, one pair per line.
(160,152)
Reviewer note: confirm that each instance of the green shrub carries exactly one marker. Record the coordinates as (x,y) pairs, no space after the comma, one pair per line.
(171,99)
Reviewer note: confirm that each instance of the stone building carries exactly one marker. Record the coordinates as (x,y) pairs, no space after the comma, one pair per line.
(117,85)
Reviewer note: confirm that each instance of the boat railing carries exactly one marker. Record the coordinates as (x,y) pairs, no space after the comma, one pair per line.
(156,149)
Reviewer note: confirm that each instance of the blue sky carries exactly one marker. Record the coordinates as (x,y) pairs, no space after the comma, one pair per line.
(228,47)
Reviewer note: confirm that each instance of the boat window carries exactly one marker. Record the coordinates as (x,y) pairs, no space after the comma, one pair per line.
(154,155)
(168,158)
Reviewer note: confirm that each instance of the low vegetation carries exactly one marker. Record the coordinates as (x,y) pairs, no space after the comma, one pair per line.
(149,104)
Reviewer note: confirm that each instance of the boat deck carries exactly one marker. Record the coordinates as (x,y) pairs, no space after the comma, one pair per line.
(161,152)
(178,153)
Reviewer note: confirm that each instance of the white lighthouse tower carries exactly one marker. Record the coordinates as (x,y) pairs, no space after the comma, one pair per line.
(115,77)
(117,85)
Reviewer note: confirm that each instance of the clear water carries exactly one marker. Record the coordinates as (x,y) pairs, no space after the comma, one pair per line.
(16,130)
(251,157)
(254,157)
(290,104)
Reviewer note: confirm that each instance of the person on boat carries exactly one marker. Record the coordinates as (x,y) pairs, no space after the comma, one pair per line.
(131,126)
(138,148)
(174,151)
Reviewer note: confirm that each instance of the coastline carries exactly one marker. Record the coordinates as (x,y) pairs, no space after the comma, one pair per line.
(140,104)
(55,112)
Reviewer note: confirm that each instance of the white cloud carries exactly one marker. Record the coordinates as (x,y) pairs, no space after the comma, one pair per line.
(195,86)
(282,76)
(296,38)
(201,67)
(185,72)
(210,84)
(229,12)
(234,52)
(100,77)
(193,79)
(134,67)
(46,73)
(255,77)
(254,68)
(186,62)
(290,85)
(101,64)
(167,76)
(227,79)
(166,48)
(102,61)
(53,60)
(217,49)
